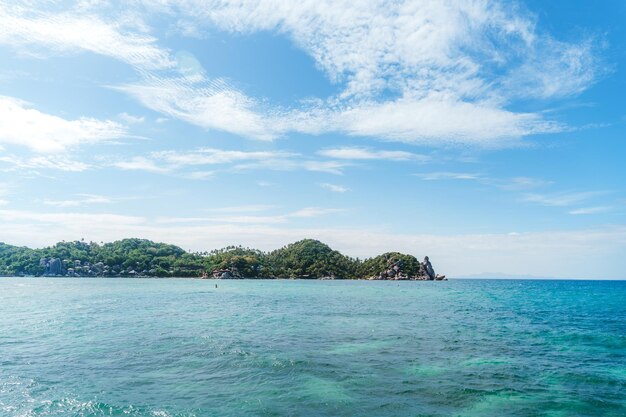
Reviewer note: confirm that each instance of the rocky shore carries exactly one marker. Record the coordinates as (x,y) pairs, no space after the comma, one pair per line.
(396,272)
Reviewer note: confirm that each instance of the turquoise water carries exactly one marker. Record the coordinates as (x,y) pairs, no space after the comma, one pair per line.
(168,347)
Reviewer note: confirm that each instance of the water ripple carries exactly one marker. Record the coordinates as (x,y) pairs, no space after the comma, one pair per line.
(120,347)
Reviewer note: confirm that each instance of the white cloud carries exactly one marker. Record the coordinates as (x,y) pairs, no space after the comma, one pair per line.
(315,212)
(249,208)
(438,120)
(244,218)
(58,162)
(357,153)
(139,163)
(436,176)
(330,167)
(561,199)
(334,188)
(433,119)
(130,119)
(376,45)
(591,210)
(507,184)
(72,31)
(229,160)
(200,175)
(554,69)
(211,104)
(522,183)
(212,156)
(23,126)
(86,199)
(75,220)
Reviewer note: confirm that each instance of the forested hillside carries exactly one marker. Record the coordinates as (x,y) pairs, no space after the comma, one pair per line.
(139,257)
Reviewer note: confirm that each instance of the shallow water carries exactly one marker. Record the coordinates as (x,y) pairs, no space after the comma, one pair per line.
(180,347)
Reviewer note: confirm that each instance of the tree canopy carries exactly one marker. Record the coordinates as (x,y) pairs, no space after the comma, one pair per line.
(306,258)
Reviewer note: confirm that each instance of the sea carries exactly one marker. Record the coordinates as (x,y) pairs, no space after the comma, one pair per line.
(186,347)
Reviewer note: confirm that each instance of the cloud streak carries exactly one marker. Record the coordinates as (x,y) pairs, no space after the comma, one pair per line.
(57,162)
(241,215)
(590,210)
(227,160)
(85,199)
(562,199)
(334,188)
(361,153)
(71,32)
(21,125)
(438,176)
(210,104)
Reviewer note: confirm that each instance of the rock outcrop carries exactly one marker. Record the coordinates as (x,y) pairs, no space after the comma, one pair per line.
(52,266)
(396,271)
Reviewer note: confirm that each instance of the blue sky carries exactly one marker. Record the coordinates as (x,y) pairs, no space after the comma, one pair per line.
(488,135)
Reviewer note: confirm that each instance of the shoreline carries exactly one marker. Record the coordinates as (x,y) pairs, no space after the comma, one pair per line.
(213,279)
(318,279)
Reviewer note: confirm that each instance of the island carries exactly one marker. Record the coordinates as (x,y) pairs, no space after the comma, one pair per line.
(305,259)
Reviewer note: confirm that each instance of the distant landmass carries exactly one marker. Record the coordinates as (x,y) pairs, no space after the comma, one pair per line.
(304,259)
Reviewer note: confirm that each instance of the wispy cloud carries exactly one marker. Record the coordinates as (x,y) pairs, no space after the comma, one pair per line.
(212,156)
(57,162)
(85,199)
(77,220)
(437,176)
(211,104)
(315,212)
(227,160)
(508,184)
(21,125)
(590,210)
(225,219)
(72,32)
(521,183)
(249,208)
(130,119)
(434,119)
(200,175)
(243,216)
(561,199)
(440,120)
(334,187)
(140,163)
(432,46)
(330,167)
(361,153)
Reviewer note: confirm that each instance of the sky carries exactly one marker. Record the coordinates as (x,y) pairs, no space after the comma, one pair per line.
(488,135)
